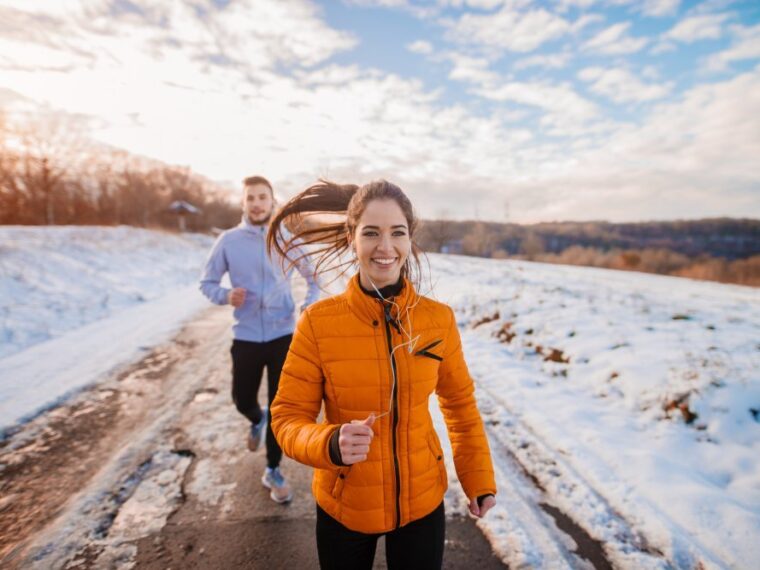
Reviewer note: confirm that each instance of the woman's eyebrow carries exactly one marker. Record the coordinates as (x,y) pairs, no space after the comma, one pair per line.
(402,226)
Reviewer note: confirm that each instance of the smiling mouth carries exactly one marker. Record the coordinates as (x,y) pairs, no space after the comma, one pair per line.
(385,261)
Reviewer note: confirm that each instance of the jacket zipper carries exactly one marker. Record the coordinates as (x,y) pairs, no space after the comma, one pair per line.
(395,414)
(263,293)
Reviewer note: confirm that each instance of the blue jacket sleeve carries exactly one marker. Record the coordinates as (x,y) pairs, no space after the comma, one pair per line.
(306,269)
(214,270)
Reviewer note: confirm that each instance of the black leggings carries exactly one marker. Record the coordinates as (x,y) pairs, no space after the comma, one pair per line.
(418,545)
(248,362)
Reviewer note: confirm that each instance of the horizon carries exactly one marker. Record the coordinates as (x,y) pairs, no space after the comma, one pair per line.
(577,221)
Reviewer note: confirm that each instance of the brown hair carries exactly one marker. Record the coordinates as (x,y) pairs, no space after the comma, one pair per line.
(303,215)
(251,180)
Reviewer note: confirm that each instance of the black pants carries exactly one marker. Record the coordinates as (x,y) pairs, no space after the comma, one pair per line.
(418,545)
(248,362)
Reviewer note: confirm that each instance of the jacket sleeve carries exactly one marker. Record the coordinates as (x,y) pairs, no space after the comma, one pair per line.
(306,269)
(456,396)
(300,260)
(299,400)
(214,270)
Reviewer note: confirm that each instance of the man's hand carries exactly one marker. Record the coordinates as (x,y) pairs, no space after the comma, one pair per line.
(236,297)
(488,503)
(355,439)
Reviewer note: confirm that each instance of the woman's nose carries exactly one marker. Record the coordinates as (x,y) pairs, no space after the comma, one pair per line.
(385,243)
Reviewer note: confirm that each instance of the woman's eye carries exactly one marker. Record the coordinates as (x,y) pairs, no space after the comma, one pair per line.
(399,233)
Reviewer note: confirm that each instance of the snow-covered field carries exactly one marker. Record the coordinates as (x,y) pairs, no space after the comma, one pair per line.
(631,402)
(68,293)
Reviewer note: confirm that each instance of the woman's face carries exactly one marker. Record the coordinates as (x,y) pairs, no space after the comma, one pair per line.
(382,243)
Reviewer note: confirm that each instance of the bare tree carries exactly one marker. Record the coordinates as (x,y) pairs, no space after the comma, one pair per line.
(50,147)
(10,194)
(437,233)
(480,241)
(532,245)
(50,173)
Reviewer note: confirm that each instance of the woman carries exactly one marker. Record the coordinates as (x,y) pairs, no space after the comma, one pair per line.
(373,355)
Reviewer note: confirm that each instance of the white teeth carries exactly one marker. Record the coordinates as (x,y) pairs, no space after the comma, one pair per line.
(384,261)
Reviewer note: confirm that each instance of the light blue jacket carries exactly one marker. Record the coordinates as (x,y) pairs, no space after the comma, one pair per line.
(267,312)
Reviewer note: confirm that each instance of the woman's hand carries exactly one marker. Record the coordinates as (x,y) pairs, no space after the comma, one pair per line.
(488,503)
(355,439)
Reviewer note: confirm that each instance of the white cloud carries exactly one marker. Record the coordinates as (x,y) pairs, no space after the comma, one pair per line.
(745,46)
(247,35)
(650,72)
(700,27)
(660,7)
(615,41)
(562,111)
(379,3)
(551,61)
(565,109)
(227,95)
(622,86)
(422,10)
(654,8)
(508,29)
(663,47)
(586,20)
(479,4)
(677,157)
(471,70)
(582,4)
(420,46)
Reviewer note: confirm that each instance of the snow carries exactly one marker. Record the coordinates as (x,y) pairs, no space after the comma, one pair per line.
(68,293)
(629,401)
(595,431)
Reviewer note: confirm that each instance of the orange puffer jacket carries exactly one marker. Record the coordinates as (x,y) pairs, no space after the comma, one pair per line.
(340,355)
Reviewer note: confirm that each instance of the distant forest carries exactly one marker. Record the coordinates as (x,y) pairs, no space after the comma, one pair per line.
(718,249)
(50,174)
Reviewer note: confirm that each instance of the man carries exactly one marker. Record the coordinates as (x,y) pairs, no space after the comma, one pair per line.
(264,321)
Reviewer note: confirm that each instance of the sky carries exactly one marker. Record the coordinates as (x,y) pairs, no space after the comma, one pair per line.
(502,110)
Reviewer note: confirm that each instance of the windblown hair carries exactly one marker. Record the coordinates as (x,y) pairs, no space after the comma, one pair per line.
(308,217)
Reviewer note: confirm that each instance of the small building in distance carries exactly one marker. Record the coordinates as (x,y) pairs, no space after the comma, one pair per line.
(182,209)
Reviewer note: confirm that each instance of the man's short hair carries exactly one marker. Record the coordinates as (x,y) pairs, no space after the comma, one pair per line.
(251,180)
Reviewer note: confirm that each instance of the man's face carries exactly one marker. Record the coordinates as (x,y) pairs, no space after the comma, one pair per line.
(258,203)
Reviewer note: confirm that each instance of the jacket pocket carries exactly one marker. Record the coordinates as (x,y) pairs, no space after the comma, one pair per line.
(437,452)
(340,481)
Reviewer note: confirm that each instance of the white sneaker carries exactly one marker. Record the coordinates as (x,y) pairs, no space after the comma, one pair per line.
(274,480)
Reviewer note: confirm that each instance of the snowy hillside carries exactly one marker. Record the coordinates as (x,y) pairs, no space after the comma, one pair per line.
(632,400)
(628,402)
(68,293)
(53,280)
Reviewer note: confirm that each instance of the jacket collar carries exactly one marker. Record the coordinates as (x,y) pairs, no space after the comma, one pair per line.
(386,292)
(369,309)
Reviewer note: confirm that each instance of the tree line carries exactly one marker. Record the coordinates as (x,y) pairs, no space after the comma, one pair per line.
(717,249)
(51,174)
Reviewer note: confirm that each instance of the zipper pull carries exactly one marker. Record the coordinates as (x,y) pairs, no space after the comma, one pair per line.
(389,318)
